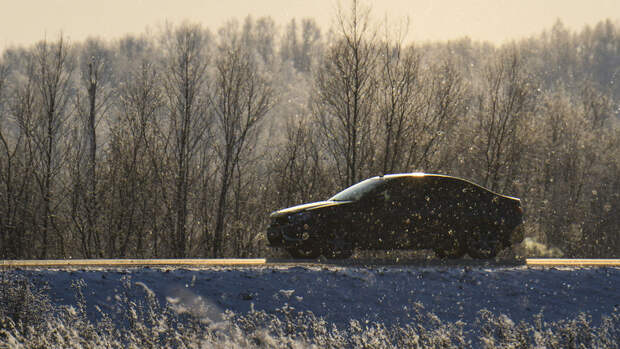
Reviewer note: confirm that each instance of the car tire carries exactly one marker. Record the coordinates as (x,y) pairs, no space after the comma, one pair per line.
(340,253)
(304,252)
(337,245)
(451,250)
(483,244)
(449,253)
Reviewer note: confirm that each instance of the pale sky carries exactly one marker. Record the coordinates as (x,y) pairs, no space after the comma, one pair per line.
(24,22)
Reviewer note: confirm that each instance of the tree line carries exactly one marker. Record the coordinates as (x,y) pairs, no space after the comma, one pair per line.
(180,143)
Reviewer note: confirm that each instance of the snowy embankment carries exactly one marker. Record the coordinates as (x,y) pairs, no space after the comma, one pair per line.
(338,294)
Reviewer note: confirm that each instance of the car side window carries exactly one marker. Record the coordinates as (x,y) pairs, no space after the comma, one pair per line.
(390,194)
(381,196)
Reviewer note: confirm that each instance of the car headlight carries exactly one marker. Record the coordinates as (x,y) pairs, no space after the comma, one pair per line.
(300,217)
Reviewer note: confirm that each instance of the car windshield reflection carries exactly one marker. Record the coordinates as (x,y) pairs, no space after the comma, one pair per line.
(359,190)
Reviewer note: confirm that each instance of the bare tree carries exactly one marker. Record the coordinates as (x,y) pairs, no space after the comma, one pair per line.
(345,94)
(398,103)
(577,147)
(241,97)
(134,158)
(503,106)
(16,175)
(9,151)
(302,48)
(185,83)
(261,36)
(45,129)
(444,102)
(301,175)
(289,45)
(92,102)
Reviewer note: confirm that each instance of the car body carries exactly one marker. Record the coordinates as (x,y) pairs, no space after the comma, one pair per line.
(449,215)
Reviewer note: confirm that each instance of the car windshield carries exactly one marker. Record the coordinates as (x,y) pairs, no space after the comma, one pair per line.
(359,190)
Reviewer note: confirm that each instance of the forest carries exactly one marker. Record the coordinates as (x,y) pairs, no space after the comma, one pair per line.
(180,142)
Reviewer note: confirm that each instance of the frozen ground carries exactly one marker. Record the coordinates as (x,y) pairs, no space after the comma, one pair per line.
(339,293)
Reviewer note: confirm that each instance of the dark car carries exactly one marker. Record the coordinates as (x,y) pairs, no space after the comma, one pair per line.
(449,215)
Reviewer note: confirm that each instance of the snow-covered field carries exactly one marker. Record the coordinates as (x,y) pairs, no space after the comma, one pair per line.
(338,294)
(390,295)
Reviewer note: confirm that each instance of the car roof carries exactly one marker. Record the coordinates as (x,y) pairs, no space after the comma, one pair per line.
(424,175)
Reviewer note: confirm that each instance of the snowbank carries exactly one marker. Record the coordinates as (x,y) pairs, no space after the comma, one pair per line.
(338,294)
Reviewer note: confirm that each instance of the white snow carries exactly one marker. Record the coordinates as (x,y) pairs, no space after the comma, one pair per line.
(341,294)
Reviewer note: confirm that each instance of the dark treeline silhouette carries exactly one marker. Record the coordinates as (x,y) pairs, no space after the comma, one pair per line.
(179,144)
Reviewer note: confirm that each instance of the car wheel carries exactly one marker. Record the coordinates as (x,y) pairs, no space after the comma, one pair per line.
(340,250)
(338,247)
(484,244)
(451,253)
(340,254)
(450,249)
(304,252)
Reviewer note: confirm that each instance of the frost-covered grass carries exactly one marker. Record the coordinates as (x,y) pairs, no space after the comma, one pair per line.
(137,319)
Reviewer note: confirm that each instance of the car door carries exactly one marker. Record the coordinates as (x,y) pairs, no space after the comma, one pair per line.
(433,209)
(377,214)
(404,202)
(368,219)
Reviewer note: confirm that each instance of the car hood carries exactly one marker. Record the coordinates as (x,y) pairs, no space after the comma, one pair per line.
(307,207)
